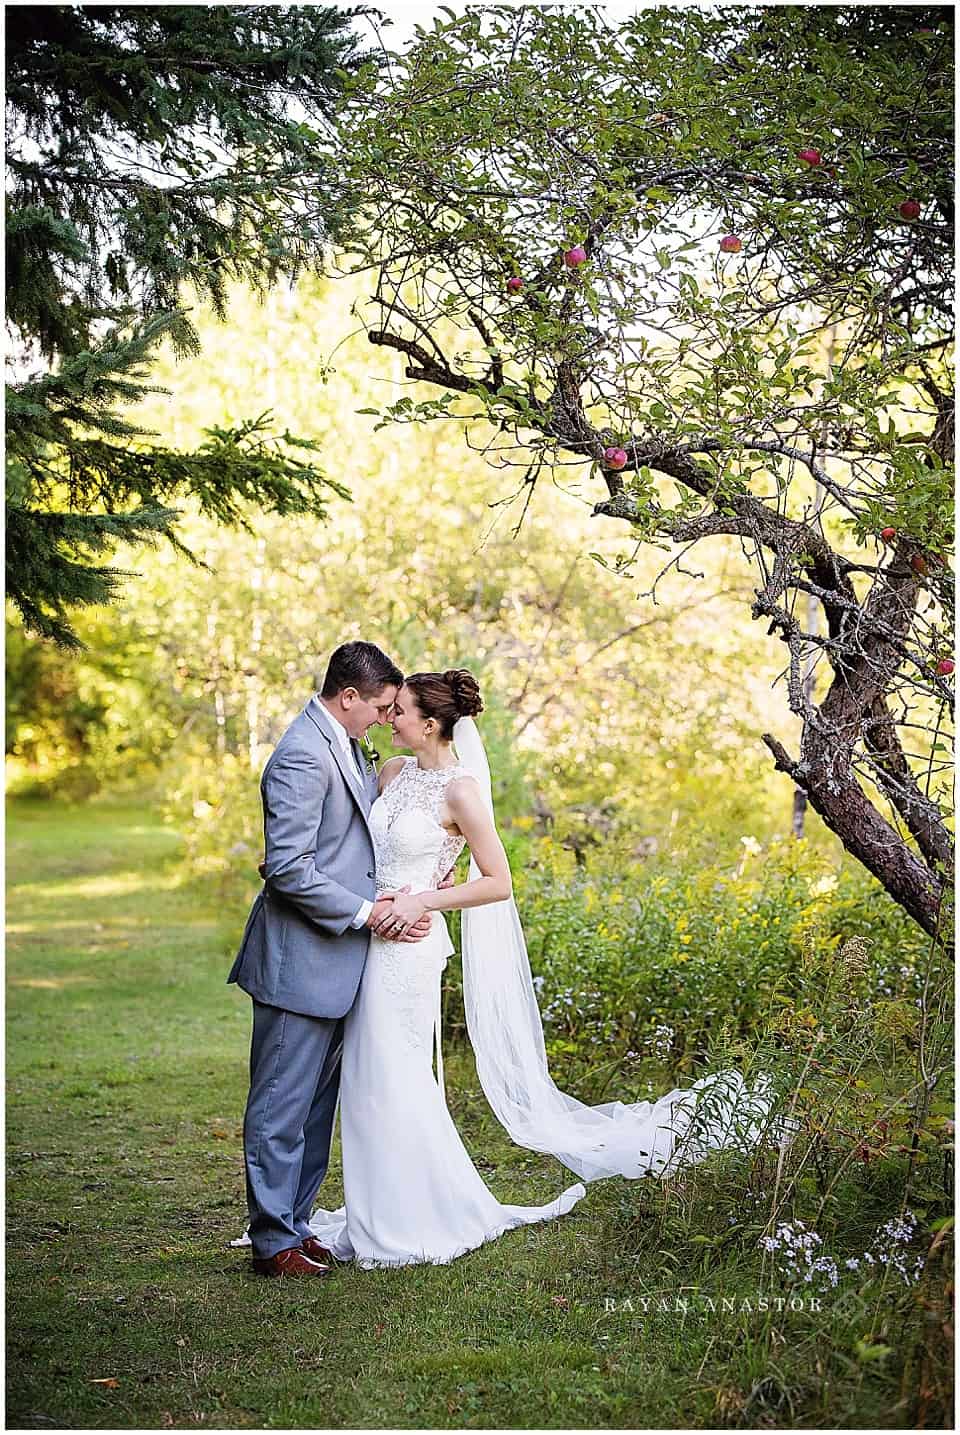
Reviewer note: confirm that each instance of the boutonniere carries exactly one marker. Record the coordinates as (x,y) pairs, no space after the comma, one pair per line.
(370,755)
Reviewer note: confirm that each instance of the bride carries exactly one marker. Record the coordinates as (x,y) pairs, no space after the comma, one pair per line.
(411,1192)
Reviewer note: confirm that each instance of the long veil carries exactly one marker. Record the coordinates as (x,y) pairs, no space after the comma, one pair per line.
(679,1129)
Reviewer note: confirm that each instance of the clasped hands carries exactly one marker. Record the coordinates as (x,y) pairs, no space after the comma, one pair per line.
(400,916)
(395,915)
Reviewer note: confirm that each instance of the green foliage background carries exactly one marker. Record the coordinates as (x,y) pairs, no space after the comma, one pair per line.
(649,837)
(624,714)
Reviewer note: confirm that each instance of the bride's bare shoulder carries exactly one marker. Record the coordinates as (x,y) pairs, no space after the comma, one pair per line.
(463,791)
(389,771)
(463,782)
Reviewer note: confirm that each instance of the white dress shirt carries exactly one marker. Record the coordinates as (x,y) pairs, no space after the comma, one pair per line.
(343,738)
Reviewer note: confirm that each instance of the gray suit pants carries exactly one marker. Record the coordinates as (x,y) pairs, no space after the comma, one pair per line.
(288,1124)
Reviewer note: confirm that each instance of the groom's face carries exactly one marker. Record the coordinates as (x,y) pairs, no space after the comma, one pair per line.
(358,713)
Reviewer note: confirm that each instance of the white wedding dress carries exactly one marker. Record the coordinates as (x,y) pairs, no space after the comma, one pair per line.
(411,1192)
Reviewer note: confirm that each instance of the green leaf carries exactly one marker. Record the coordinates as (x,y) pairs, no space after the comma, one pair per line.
(868,1352)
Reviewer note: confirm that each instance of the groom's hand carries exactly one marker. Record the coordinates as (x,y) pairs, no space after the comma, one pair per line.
(418,931)
(380,910)
(447,881)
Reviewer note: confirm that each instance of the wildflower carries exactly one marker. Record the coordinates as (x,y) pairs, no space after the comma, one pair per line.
(797,1245)
(899,1229)
(801,1257)
(661,1041)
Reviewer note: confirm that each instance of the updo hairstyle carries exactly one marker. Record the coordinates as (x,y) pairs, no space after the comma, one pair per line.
(446,697)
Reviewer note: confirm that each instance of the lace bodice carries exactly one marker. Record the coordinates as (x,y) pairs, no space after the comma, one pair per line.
(410,844)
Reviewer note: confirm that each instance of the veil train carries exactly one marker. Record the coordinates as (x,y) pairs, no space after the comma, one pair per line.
(717,1112)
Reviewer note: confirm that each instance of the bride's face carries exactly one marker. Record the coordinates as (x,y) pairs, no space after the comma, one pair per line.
(407,720)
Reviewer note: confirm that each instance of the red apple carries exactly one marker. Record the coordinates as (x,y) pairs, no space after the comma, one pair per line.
(731,244)
(615,458)
(945,667)
(573,257)
(910,209)
(888,534)
(811,157)
(515,284)
(918,563)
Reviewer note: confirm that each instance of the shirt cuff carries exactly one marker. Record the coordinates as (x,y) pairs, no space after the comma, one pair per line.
(363,912)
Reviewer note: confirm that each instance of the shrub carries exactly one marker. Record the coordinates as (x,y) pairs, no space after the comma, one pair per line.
(636,969)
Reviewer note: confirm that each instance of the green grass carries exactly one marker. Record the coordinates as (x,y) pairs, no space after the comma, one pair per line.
(126,1066)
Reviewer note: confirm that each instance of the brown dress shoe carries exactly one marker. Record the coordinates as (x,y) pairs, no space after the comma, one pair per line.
(291,1262)
(312,1247)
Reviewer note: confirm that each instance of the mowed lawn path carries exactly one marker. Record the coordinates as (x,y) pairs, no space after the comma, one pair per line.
(126,1068)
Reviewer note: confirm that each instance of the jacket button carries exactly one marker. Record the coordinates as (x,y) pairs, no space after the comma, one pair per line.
(369,874)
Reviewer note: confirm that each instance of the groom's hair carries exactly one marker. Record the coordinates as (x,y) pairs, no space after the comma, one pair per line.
(362,666)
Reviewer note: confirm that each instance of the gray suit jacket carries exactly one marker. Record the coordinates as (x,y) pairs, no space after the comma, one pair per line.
(298,949)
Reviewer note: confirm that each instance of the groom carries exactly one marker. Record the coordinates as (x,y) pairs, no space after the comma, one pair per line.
(304,948)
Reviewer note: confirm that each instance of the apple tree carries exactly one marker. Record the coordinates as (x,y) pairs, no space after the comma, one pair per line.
(703,262)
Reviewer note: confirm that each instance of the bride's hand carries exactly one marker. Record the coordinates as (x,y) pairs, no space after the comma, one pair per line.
(408,909)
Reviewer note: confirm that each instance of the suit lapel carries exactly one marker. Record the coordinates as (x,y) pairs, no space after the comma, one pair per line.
(360,771)
(358,791)
(370,779)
